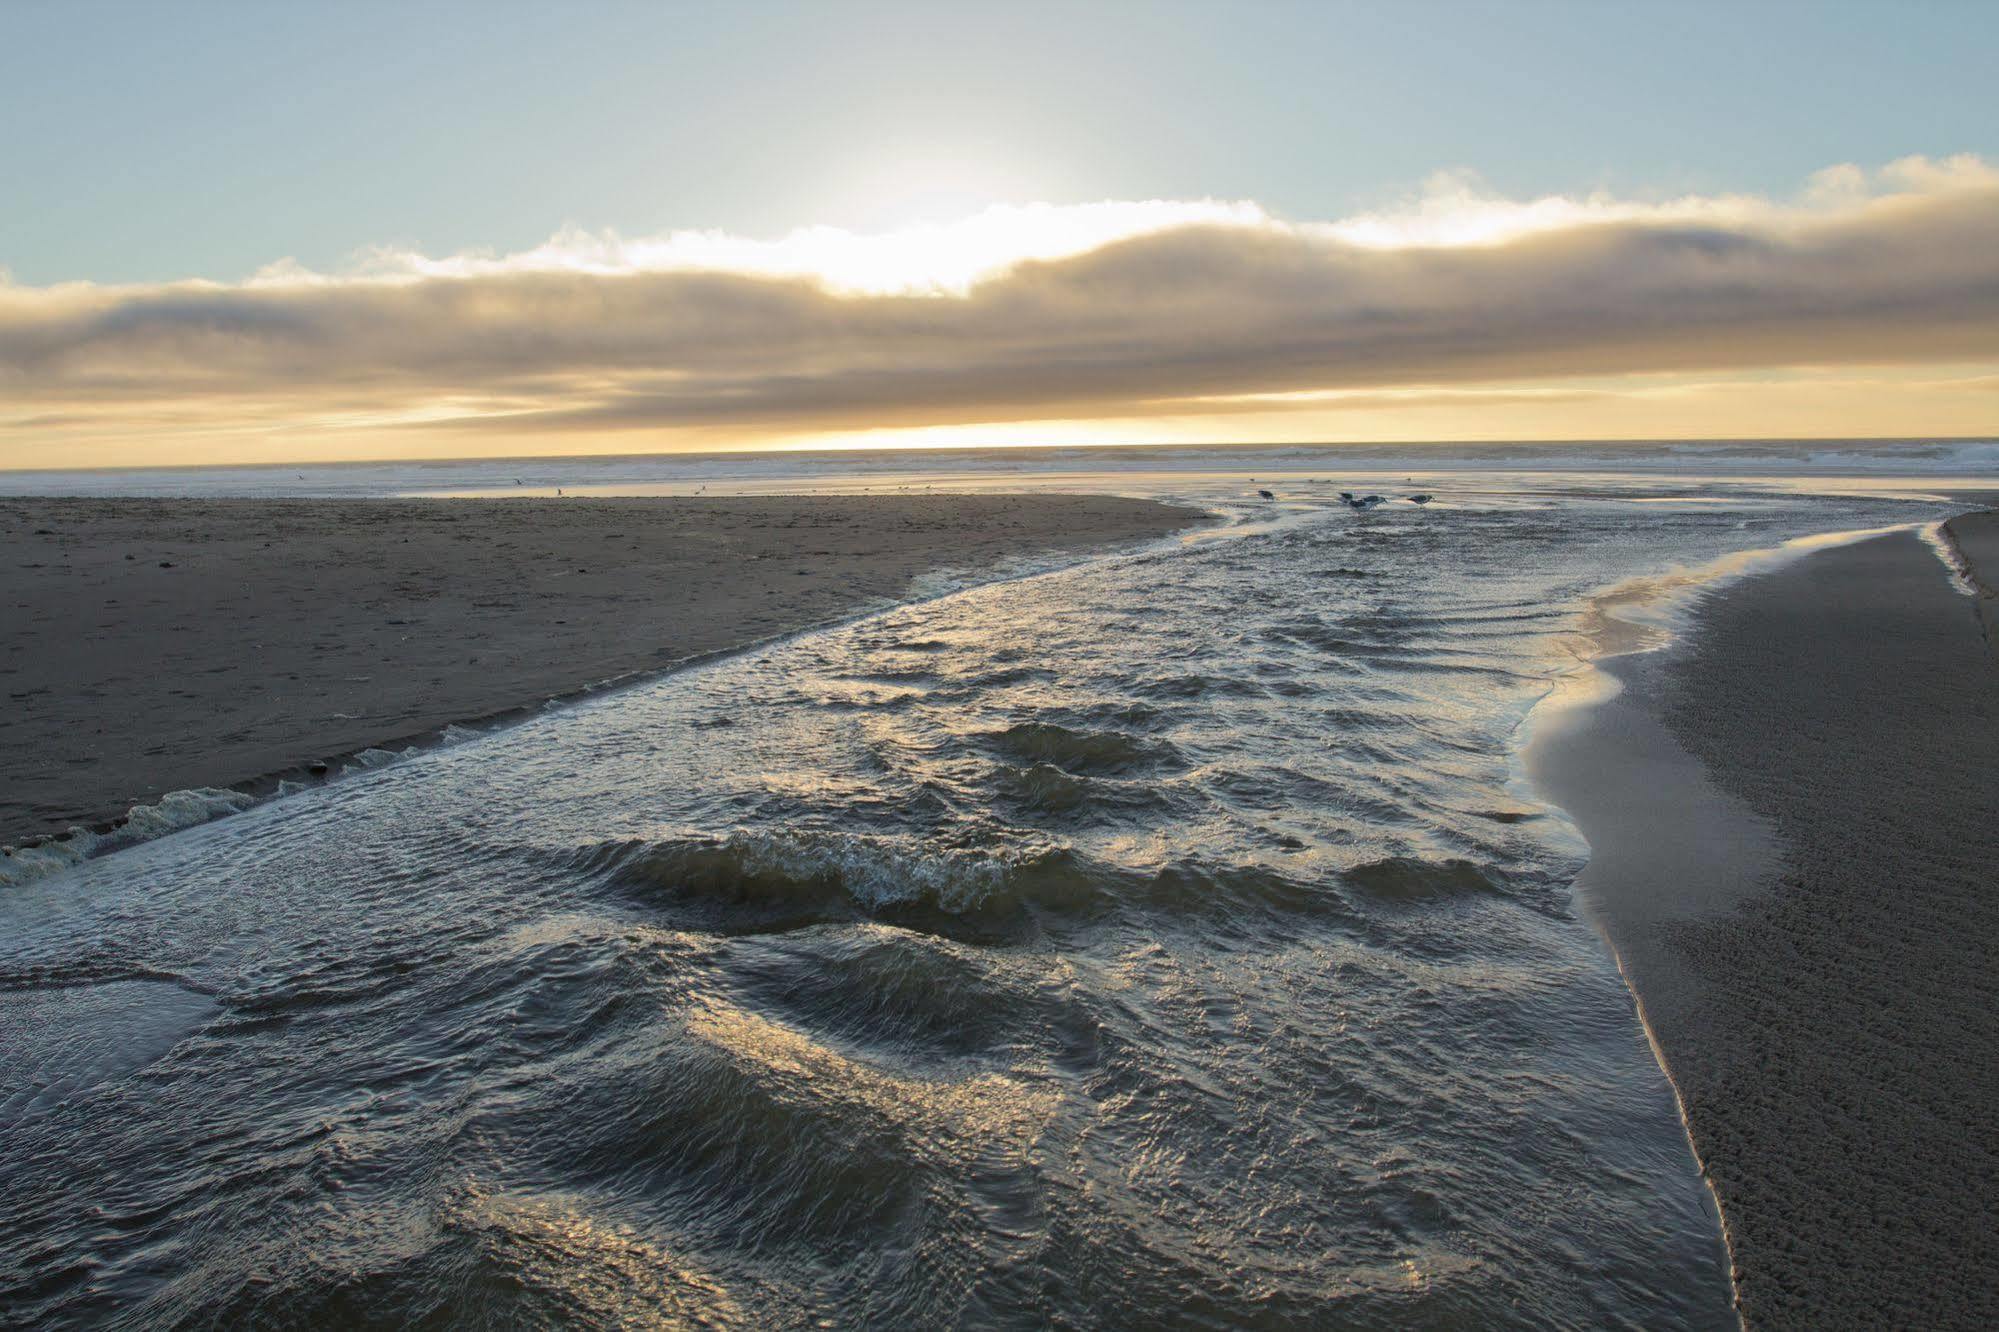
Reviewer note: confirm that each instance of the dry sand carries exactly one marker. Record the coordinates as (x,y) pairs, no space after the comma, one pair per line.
(1794,823)
(159,645)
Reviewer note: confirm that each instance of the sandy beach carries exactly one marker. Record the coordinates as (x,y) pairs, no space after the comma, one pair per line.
(161,645)
(1975,536)
(1792,828)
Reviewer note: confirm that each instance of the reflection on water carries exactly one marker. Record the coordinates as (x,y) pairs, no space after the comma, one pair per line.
(1166,940)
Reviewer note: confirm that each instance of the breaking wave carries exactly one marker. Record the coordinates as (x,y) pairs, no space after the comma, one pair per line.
(170,813)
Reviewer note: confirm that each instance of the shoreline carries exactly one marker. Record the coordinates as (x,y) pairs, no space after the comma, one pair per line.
(1788,862)
(1974,540)
(301,634)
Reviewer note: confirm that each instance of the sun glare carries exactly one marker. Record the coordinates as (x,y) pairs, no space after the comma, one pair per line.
(921,258)
(931,235)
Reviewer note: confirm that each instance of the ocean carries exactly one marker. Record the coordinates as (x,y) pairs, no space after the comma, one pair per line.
(1168,938)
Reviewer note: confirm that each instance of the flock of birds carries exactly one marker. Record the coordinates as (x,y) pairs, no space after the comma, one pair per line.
(1358,503)
(1361,503)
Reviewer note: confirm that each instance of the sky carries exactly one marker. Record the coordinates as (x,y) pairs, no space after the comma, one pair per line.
(237,232)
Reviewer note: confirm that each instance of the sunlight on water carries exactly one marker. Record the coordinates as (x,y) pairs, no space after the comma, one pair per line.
(1164,939)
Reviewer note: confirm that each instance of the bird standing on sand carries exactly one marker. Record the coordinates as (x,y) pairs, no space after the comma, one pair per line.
(1266,494)
(1419,499)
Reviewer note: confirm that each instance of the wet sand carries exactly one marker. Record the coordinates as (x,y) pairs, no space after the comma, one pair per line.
(1794,822)
(1975,536)
(161,645)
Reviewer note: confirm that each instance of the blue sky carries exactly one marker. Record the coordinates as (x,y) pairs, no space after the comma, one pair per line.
(147,142)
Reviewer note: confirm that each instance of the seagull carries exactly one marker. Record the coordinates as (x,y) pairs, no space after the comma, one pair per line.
(1266,494)
(1419,499)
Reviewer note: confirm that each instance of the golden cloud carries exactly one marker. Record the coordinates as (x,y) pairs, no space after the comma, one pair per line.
(1125,310)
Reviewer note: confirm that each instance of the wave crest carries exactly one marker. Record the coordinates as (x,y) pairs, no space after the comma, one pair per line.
(755,882)
(1082,752)
(1406,879)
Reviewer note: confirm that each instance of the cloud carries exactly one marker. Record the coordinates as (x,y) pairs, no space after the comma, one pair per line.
(1117,309)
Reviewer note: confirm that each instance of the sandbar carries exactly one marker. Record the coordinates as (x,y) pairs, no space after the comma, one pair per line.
(156,645)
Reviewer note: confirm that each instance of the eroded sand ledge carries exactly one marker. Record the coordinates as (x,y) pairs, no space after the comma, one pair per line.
(1794,822)
(159,645)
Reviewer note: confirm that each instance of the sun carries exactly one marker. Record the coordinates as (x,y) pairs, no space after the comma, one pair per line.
(894,187)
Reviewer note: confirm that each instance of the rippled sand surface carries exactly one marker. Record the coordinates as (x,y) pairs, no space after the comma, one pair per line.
(1168,940)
